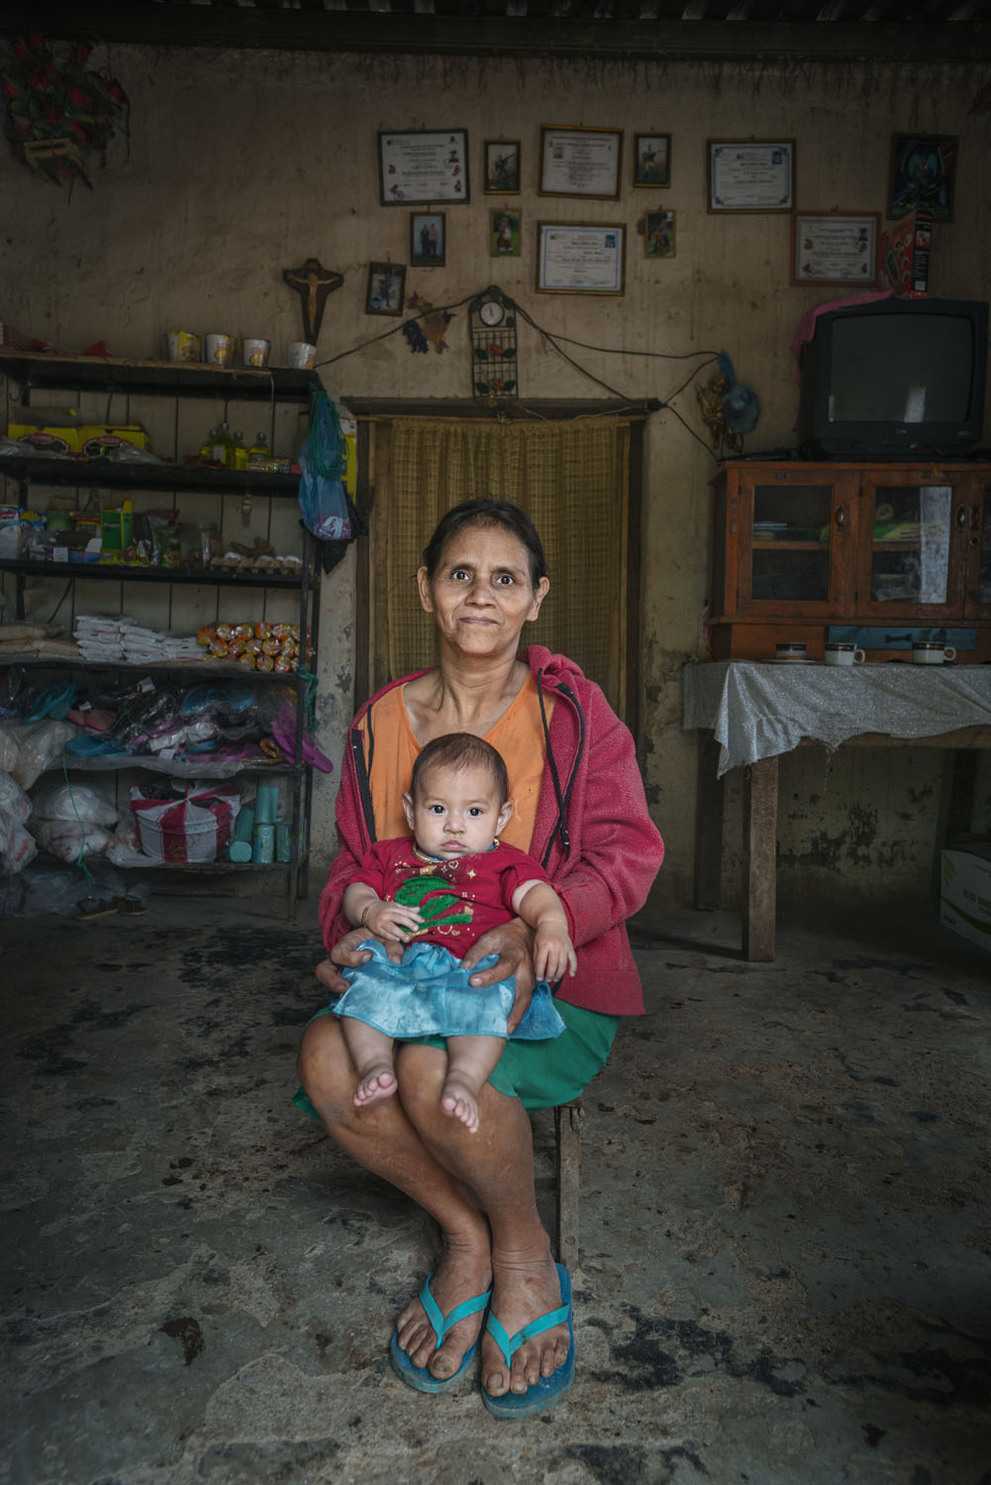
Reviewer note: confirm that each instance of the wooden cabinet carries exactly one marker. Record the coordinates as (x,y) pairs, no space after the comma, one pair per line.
(803,546)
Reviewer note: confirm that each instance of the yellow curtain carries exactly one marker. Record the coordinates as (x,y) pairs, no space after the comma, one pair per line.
(573,480)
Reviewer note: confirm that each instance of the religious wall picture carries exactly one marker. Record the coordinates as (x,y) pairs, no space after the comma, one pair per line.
(574,259)
(835,247)
(580,162)
(505,232)
(502,174)
(755,175)
(923,175)
(651,160)
(427,239)
(658,234)
(386,289)
(418,167)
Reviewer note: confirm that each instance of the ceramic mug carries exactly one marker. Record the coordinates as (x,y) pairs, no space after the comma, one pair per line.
(792,649)
(844,654)
(256,352)
(220,349)
(928,652)
(302,355)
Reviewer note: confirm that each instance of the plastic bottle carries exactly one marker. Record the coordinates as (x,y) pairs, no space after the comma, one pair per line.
(260,449)
(239,453)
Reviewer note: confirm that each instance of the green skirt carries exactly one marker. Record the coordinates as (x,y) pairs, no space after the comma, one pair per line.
(542,1075)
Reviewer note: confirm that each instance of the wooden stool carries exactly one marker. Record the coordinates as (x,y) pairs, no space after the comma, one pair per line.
(568,1121)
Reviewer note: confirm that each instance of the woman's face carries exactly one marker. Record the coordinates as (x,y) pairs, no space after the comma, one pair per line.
(481,594)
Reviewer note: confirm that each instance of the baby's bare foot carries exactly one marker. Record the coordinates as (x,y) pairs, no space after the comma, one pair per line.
(376,1082)
(458,1100)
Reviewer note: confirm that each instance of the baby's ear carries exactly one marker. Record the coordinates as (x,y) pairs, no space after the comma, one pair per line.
(408,809)
(505,815)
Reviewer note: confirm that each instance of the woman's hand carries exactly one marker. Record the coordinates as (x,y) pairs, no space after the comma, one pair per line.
(347,955)
(513,944)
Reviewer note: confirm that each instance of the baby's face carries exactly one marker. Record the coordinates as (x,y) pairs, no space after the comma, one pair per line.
(456,811)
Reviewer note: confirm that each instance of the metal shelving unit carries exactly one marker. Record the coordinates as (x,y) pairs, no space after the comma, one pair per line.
(35,372)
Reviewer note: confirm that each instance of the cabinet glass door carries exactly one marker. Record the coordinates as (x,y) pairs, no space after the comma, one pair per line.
(910,548)
(984,571)
(790,544)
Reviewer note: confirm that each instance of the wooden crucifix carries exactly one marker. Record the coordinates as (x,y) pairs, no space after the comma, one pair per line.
(312,282)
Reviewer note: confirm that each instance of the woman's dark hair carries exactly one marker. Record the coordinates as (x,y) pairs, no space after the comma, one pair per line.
(462,750)
(487,513)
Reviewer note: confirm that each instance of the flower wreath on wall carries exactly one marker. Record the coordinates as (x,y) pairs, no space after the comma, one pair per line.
(57,109)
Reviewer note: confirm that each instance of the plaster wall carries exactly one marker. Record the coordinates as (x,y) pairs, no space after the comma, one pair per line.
(242,163)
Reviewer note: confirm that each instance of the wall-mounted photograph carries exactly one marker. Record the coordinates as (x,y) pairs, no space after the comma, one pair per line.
(750,174)
(835,247)
(427,239)
(651,160)
(923,174)
(581,259)
(502,174)
(386,289)
(505,233)
(580,162)
(420,166)
(658,234)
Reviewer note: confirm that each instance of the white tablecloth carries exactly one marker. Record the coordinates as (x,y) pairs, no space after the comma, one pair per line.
(759,710)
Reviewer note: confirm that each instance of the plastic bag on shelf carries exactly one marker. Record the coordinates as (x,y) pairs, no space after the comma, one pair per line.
(17,845)
(9,747)
(194,828)
(13,800)
(39,744)
(79,803)
(69,840)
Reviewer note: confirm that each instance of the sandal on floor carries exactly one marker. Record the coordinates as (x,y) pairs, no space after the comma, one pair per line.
(549,1390)
(419,1376)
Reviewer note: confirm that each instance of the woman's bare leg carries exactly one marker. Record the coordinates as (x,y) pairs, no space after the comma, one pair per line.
(381,1138)
(496,1164)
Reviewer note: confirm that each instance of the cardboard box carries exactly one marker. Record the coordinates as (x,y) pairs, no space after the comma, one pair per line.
(965,894)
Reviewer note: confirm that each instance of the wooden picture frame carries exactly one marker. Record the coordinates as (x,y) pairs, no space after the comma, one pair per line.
(502,172)
(418,167)
(386,292)
(835,247)
(659,234)
(427,239)
(750,175)
(923,175)
(651,161)
(505,232)
(575,161)
(581,258)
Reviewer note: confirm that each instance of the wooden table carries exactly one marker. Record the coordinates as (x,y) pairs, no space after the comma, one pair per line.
(760,820)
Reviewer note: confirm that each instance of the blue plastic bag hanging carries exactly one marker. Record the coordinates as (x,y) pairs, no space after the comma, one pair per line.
(323,503)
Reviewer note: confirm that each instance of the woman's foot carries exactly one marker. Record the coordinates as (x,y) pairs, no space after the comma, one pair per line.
(374,1083)
(460,1101)
(523,1289)
(463,1271)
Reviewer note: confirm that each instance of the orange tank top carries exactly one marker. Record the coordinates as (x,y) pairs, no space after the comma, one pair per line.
(518,735)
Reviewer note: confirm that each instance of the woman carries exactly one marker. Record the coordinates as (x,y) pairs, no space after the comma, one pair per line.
(580,810)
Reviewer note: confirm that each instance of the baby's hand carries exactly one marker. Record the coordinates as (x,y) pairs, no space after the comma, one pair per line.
(554,954)
(390,920)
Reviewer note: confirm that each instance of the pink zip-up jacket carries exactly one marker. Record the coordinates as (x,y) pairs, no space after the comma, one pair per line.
(592,832)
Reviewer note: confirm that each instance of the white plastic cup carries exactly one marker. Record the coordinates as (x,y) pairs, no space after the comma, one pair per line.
(302,355)
(256,352)
(220,349)
(183,345)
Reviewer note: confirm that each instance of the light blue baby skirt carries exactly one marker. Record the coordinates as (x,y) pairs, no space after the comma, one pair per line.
(428,994)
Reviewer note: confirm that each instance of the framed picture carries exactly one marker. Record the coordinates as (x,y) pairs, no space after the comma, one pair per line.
(750,174)
(420,166)
(581,259)
(386,289)
(658,234)
(580,162)
(651,160)
(923,174)
(836,247)
(427,239)
(505,232)
(502,167)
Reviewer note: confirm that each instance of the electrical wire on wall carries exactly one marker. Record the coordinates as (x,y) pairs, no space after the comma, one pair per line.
(557,342)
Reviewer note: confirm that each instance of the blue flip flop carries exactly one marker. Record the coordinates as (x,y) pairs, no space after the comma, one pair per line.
(419,1376)
(549,1390)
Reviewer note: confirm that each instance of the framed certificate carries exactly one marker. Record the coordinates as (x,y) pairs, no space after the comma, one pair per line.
(580,162)
(418,167)
(580,260)
(750,175)
(835,247)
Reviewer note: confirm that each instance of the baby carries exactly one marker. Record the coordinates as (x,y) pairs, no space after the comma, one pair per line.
(445,888)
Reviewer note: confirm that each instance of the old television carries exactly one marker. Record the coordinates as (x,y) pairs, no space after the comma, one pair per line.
(895,378)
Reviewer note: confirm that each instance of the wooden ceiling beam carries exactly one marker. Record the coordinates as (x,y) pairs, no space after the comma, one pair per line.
(665,39)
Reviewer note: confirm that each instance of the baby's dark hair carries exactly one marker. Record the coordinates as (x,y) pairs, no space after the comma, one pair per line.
(462,750)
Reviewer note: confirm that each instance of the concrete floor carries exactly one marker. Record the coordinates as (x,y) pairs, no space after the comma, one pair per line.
(786,1271)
